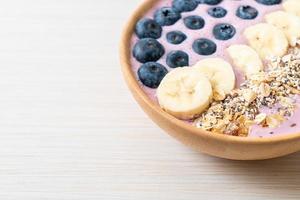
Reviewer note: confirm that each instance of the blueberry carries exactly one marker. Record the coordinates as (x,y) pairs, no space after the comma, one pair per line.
(148,49)
(217,12)
(166,16)
(184,5)
(224,31)
(269,2)
(246,12)
(211,2)
(177,59)
(151,74)
(176,37)
(194,22)
(204,47)
(148,28)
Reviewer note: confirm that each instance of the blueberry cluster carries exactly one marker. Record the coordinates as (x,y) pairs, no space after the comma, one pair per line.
(148,50)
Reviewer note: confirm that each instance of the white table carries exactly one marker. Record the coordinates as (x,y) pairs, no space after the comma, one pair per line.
(70,130)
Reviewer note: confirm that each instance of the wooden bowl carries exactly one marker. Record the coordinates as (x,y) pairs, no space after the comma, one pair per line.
(230,147)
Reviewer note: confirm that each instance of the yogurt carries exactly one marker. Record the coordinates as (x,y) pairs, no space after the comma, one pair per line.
(288,127)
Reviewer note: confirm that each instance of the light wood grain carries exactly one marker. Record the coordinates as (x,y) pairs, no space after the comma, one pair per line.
(70,130)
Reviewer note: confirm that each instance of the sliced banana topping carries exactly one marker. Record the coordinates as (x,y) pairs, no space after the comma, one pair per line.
(184,93)
(292,6)
(267,40)
(220,74)
(245,59)
(288,23)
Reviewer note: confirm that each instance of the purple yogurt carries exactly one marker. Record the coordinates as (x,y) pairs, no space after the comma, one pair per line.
(288,127)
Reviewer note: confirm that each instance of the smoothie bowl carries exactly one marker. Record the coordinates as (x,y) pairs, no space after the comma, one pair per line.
(220,76)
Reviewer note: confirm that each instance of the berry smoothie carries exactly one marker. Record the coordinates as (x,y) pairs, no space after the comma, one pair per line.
(200,22)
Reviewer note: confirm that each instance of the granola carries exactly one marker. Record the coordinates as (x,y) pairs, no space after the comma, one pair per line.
(276,86)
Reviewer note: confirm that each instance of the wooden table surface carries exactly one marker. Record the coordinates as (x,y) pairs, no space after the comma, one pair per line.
(70,130)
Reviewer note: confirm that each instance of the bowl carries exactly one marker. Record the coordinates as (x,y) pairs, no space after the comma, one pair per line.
(224,146)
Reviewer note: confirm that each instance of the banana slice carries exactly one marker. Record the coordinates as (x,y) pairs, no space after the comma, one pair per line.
(292,6)
(246,59)
(267,40)
(288,23)
(220,74)
(184,93)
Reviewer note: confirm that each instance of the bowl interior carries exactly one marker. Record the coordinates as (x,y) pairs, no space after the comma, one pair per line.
(140,95)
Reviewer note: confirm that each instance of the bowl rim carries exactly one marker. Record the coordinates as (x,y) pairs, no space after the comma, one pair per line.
(132,83)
